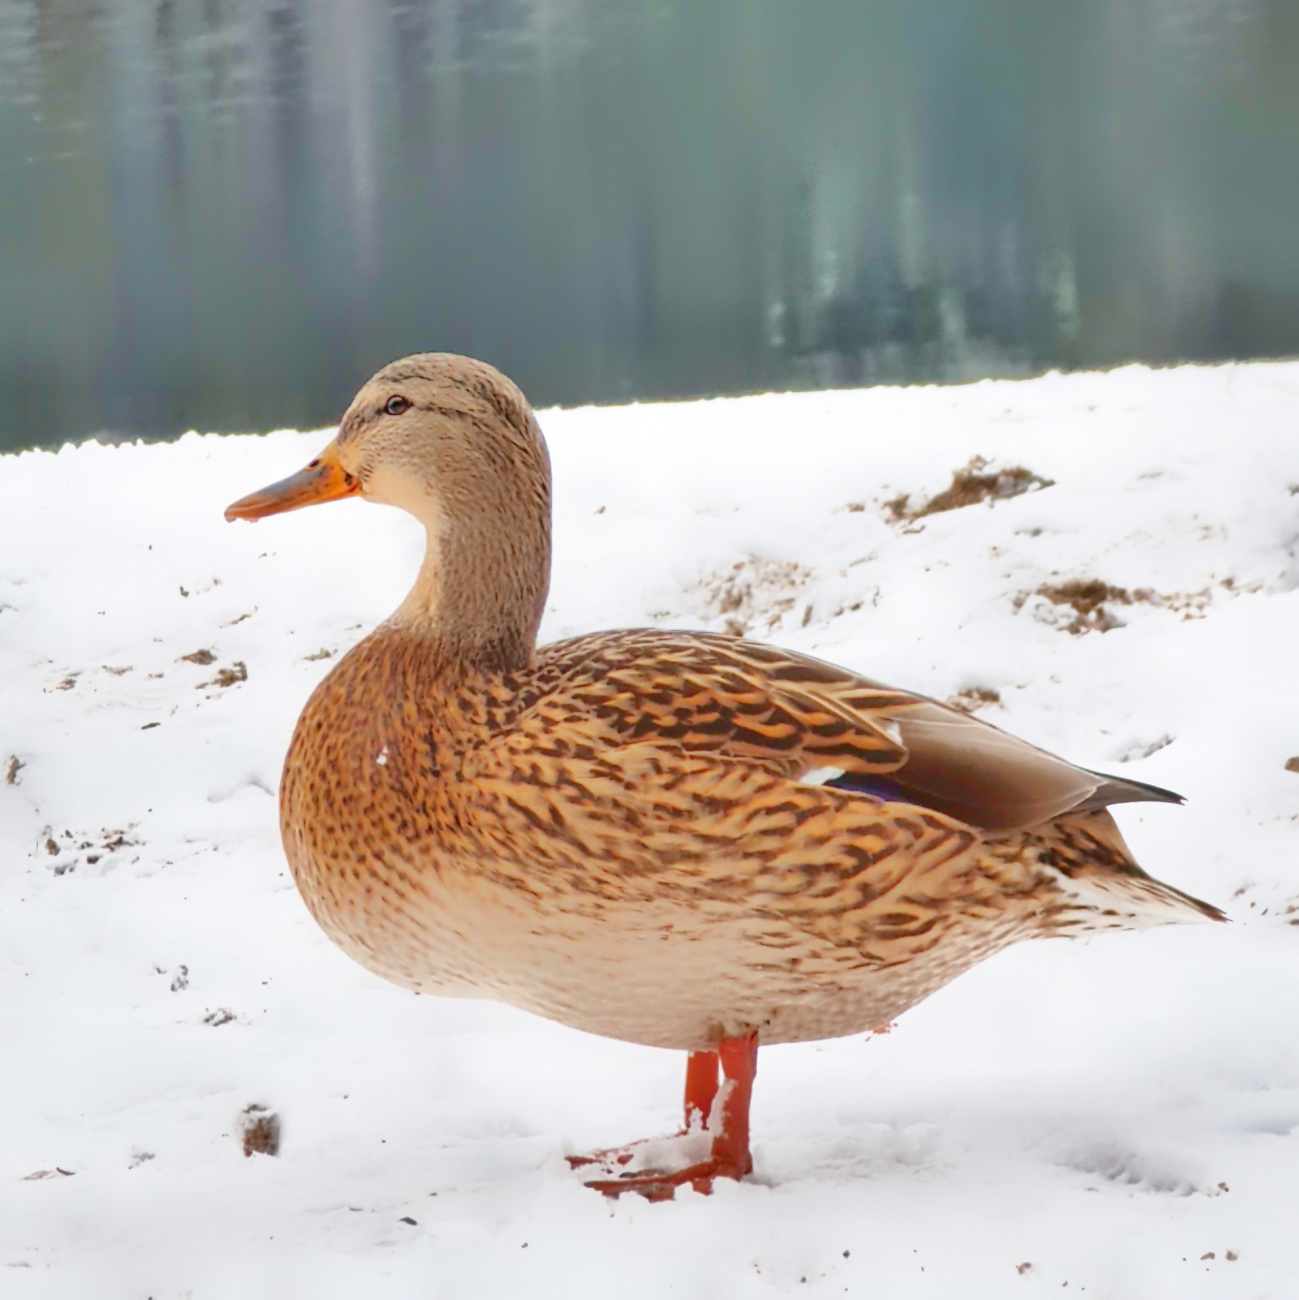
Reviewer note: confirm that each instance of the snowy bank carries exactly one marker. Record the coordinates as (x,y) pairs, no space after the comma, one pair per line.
(1118,581)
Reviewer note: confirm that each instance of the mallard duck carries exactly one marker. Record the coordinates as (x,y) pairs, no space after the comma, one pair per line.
(679,839)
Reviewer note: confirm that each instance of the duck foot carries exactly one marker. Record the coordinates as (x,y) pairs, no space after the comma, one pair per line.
(661,1185)
(722,1113)
(701,1092)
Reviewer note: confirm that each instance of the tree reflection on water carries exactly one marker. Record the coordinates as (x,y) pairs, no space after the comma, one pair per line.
(223,213)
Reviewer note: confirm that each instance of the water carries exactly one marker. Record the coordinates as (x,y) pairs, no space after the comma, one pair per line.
(226,213)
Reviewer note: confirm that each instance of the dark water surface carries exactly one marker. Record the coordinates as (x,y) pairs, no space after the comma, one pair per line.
(226,213)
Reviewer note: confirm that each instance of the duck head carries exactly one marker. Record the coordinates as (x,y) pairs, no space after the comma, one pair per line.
(453,442)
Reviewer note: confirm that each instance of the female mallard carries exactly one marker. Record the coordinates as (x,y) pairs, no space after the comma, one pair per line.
(673,838)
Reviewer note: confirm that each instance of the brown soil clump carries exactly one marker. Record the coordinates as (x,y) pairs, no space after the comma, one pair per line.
(259,1129)
(969,486)
(975,698)
(1090,599)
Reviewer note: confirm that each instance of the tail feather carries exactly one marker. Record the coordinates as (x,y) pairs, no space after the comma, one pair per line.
(1122,789)
(1102,888)
(1131,901)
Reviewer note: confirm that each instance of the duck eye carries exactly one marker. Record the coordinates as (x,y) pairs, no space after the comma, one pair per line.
(397,405)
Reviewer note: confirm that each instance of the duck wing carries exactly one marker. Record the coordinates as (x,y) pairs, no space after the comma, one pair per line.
(744,701)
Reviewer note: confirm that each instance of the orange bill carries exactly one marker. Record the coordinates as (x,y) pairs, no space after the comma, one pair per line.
(323,480)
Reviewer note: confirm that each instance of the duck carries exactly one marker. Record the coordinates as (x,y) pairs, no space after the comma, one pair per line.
(680,839)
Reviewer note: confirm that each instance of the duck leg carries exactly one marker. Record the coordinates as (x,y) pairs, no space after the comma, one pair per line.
(701,1088)
(727,1121)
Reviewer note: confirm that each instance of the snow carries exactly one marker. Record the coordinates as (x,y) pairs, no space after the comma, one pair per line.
(1113,1118)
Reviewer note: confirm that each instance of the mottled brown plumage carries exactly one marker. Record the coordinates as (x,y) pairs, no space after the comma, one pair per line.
(673,838)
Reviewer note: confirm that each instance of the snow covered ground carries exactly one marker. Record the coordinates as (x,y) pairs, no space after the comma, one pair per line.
(1117,1117)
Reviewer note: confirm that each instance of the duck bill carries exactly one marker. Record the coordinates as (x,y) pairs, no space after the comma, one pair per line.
(324,479)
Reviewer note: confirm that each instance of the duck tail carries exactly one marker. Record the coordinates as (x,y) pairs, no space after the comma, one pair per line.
(1102,888)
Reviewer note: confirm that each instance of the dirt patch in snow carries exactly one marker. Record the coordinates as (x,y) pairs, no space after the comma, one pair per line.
(1090,599)
(1092,603)
(974,698)
(753,595)
(976,482)
(237,672)
(70,851)
(259,1131)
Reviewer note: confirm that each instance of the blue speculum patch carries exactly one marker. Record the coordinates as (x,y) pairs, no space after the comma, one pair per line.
(881,787)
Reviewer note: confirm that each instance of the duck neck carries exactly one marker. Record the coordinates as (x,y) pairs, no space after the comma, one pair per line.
(481,590)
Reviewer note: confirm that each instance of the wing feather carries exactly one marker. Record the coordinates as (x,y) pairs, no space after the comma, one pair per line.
(703,693)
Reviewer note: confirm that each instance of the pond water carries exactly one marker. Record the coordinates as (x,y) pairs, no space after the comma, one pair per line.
(226,213)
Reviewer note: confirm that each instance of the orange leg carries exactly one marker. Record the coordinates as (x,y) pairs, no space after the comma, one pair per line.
(729,1126)
(701,1088)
